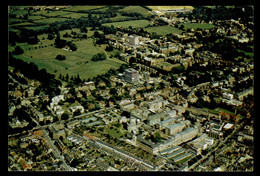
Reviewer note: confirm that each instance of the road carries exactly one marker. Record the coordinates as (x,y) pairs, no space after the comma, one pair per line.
(55,150)
(53,147)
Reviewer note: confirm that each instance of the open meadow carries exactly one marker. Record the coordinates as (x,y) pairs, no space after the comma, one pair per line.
(77,62)
(126,24)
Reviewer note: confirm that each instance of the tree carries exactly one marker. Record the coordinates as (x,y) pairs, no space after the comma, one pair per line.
(99,57)
(77,112)
(97,34)
(73,47)
(156,137)
(67,77)
(126,114)
(181,27)
(64,116)
(109,48)
(177,70)
(51,36)
(18,50)
(60,57)
(84,29)
(77,79)
(60,43)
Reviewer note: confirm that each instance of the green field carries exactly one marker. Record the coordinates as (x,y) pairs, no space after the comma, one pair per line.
(169,7)
(163,30)
(77,62)
(51,13)
(137,9)
(133,23)
(198,25)
(75,15)
(116,132)
(77,8)
(50,20)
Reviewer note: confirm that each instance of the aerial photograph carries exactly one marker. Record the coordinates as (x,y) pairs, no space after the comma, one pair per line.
(130,88)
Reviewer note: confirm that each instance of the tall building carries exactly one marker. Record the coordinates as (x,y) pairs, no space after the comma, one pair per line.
(133,39)
(131,75)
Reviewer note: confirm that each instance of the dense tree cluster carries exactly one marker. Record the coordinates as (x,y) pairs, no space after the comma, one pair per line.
(109,48)
(99,57)
(60,43)
(221,13)
(100,38)
(136,15)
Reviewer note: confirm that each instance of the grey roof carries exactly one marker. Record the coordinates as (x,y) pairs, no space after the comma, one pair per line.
(176,153)
(155,116)
(170,150)
(176,125)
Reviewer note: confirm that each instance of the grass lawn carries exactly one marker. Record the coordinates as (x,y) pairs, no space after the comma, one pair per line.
(50,20)
(66,106)
(76,15)
(249,54)
(36,17)
(37,27)
(84,7)
(184,160)
(218,110)
(133,23)
(224,110)
(198,25)
(163,30)
(137,9)
(114,131)
(77,62)
(169,7)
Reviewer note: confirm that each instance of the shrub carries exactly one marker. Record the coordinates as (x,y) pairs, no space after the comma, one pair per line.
(60,57)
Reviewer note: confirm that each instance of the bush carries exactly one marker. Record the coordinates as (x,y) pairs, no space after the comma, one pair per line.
(73,47)
(60,57)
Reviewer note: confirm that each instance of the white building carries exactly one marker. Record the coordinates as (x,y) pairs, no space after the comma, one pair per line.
(228,96)
(133,39)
